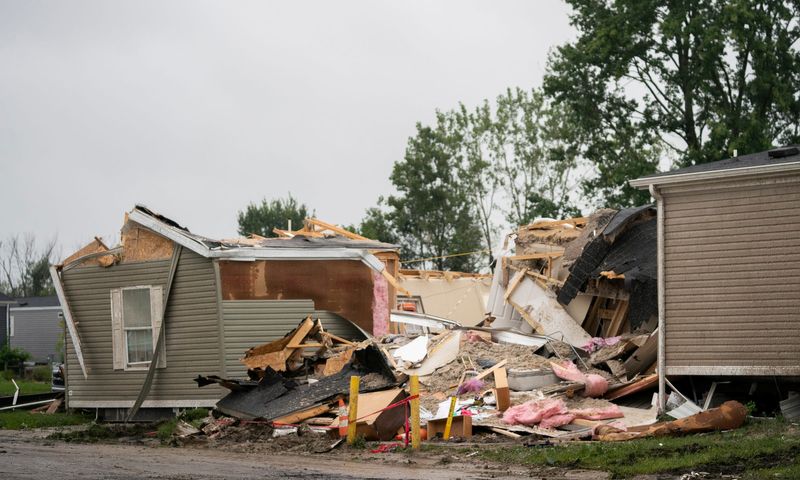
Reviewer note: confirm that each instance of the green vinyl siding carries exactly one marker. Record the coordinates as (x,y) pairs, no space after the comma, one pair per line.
(192,334)
(248,323)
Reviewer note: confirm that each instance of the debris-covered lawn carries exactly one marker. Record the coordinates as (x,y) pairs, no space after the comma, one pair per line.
(761,449)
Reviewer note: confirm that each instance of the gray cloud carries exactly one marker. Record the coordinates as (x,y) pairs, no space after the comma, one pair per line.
(196,108)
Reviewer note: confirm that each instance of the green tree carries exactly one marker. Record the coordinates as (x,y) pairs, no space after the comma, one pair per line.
(376,225)
(262,218)
(689,81)
(432,213)
(25,267)
(536,169)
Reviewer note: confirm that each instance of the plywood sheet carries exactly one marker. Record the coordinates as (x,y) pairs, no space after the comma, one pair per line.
(341,286)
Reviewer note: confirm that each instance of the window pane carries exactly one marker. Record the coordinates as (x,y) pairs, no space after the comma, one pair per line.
(140,345)
(136,307)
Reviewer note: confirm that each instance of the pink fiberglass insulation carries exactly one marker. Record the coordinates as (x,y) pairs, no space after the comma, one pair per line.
(611,411)
(597,343)
(470,386)
(380,305)
(534,411)
(557,420)
(594,385)
(568,371)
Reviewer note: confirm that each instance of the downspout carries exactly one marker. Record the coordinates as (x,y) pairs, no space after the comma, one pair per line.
(662,374)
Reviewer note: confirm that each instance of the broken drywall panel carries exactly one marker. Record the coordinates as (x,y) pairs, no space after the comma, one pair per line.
(579,307)
(440,354)
(540,308)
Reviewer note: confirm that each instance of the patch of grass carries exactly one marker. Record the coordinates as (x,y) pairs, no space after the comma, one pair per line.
(21,419)
(758,449)
(359,443)
(166,429)
(194,417)
(99,432)
(26,387)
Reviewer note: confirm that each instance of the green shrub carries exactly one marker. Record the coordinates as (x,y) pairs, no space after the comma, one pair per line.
(42,373)
(194,414)
(13,356)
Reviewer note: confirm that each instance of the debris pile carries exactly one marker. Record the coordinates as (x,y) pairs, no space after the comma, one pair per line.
(567,351)
(300,389)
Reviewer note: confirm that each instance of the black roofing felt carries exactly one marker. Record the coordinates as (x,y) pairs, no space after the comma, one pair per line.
(50,301)
(627,245)
(5,298)
(775,156)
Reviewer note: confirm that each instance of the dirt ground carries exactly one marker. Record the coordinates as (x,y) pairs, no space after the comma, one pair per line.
(29,455)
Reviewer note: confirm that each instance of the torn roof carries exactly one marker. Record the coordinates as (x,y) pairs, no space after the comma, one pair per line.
(778,159)
(297,247)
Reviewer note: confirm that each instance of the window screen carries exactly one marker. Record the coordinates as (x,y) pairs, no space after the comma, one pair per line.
(138,324)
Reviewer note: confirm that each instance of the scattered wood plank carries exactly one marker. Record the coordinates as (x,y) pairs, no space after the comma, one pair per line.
(504,432)
(536,256)
(298,417)
(502,393)
(637,386)
(338,339)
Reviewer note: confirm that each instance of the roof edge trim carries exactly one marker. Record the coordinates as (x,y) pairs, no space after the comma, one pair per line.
(645,182)
(249,254)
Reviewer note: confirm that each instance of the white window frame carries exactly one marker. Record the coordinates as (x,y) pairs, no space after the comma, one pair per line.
(118,330)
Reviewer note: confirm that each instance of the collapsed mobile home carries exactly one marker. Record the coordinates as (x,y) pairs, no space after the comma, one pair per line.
(145,317)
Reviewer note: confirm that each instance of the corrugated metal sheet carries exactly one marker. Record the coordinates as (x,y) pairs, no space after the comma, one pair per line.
(192,333)
(37,331)
(732,289)
(252,322)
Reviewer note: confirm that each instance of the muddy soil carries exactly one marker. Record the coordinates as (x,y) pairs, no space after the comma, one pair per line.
(29,455)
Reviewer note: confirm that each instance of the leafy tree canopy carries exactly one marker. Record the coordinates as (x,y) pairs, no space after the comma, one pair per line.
(262,218)
(689,81)
(25,267)
(432,214)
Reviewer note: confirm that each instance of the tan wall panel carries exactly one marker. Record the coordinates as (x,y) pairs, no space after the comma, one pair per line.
(732,270)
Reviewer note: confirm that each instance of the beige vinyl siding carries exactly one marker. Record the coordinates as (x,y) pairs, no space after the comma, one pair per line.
(732,288)
(192,339)
(248,323)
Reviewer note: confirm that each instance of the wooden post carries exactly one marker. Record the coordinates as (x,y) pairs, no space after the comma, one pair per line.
(449,423)
(415,433)
(353,414)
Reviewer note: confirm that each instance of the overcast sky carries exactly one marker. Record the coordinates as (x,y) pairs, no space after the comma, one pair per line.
(197,108)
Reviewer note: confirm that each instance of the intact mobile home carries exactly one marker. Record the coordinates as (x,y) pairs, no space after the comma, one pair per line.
(148,316)
(729,254)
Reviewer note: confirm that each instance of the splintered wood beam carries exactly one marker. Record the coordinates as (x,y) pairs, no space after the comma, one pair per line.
(545,278)
(338,339)
(305,345)
(552,223)
(514,283)
(336,229)
(536,256)
(282,233)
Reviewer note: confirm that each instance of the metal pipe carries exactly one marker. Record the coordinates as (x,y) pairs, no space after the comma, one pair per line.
(662,375)
(31,404)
